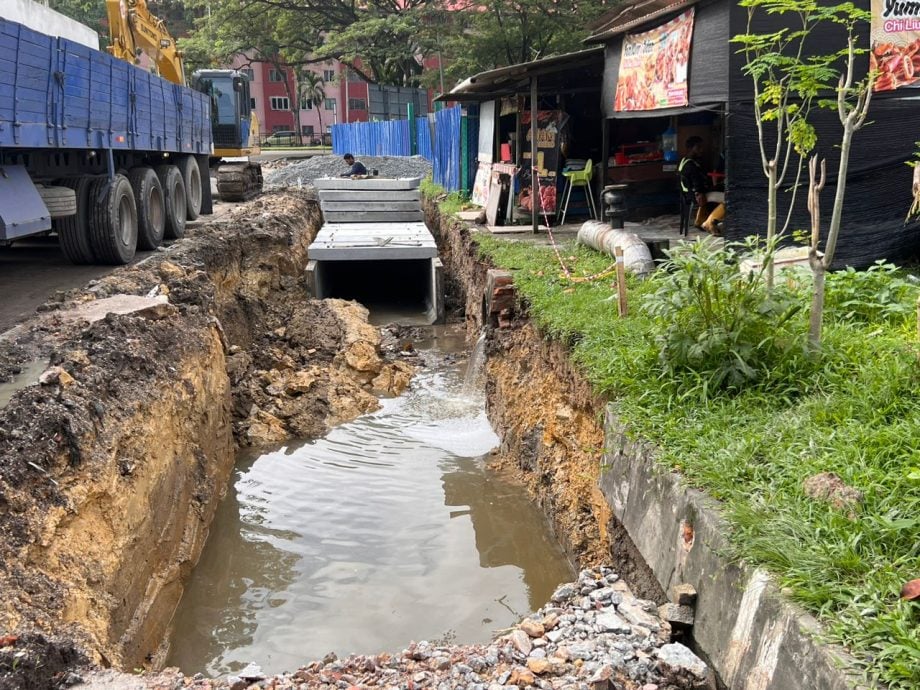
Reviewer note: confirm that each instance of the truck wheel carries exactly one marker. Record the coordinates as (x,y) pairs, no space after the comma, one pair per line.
(174,193)
(59,200)
(112,220)
(191,175)
(151,207)
(73,230)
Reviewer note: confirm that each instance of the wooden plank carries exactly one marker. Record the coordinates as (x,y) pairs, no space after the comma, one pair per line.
(370,216)
(383,205)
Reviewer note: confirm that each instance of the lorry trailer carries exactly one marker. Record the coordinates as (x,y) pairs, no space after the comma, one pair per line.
(107,155)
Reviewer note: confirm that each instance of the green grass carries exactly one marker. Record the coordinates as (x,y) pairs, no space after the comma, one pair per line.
(858,415)
(449,203)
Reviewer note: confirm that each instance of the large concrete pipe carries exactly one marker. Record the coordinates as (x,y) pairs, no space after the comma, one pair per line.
(603,238)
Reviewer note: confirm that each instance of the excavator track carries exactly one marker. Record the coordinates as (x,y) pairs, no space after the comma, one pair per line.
(239,181)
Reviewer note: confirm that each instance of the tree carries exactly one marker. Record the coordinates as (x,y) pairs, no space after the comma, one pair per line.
(787,81)
(313,89)
(497,33)
(852,102)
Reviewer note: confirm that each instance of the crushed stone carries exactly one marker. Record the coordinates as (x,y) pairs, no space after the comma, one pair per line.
(301,173)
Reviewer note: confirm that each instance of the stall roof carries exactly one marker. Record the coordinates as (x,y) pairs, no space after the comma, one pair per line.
(561,73)
(629,15)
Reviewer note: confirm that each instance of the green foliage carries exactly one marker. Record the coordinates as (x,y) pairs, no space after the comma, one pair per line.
(449,203)
(857,415)
(720,328)
(879,294)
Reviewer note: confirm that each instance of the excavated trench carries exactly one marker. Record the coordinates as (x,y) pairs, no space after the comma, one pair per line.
(112,469)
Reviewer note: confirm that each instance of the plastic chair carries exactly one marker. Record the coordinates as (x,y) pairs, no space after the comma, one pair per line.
(578,178)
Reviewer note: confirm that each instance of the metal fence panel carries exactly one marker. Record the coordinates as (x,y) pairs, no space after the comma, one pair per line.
(438,141)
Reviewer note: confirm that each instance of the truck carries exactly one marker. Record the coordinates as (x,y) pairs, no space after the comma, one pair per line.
(109,156)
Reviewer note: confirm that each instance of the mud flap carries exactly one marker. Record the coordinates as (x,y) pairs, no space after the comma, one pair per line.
(22,211)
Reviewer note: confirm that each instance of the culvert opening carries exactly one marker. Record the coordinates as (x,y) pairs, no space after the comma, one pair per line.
(405,290)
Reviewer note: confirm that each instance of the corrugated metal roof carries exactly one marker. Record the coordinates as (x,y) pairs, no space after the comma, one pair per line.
(506,81)
(629,15)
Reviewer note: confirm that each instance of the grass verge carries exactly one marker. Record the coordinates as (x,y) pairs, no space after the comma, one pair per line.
(857,415)
(449,203)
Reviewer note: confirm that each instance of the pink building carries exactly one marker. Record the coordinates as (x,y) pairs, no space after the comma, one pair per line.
(271,89)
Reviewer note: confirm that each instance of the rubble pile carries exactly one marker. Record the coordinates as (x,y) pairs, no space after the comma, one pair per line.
(592,635)
(301,173)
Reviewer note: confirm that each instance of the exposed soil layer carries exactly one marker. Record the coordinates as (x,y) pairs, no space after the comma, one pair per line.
(111,468)
(549,420)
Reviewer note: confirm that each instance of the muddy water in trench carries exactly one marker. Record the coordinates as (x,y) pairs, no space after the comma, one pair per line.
(388,530)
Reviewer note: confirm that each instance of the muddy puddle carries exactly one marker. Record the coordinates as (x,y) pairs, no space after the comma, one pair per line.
(390,529)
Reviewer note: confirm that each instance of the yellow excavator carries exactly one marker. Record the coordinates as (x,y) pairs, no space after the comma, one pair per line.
(135,31)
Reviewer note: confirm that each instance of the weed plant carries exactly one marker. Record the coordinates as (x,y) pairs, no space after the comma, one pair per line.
(750,434)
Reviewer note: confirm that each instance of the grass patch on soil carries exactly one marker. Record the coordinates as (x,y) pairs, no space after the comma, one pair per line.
(854,412)
(448,202)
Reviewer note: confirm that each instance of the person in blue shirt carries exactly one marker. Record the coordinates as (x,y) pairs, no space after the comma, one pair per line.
(357,167)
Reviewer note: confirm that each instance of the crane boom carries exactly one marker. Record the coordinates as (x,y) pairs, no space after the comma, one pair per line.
(135,29)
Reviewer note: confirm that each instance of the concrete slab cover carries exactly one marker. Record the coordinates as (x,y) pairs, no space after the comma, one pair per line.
(367,184)
(372,216)
(363,241)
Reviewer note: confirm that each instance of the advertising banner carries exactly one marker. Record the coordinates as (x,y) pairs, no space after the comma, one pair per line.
(654,66)
(895,37)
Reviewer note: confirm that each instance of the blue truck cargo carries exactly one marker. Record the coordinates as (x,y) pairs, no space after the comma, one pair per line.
(107,155)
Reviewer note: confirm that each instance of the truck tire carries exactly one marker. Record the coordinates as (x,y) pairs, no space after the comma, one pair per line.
(73,230)
(191,176)
(174,194)
(112,220)
(151,207)
(60,201)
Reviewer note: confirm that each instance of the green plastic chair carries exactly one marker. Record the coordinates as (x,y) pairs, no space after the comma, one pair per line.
(578,178)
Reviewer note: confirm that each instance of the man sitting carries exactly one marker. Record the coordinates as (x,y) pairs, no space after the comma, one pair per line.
(693,186)
(357,167)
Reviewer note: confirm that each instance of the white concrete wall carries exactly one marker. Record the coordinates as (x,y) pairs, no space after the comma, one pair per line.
(41,18)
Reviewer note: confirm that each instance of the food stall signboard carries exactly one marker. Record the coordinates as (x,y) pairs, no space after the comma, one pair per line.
(895,36)
(654,65)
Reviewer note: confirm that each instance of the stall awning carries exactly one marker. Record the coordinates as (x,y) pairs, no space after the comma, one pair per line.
(568,73)
(629,15)
(666,112)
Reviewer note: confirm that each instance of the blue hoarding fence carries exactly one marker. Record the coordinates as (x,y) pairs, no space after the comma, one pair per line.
(438,138)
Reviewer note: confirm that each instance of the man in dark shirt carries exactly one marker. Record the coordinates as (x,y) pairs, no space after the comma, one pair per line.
(693,181)
(357,167)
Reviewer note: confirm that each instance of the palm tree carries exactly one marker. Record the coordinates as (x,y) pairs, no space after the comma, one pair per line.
(314,89)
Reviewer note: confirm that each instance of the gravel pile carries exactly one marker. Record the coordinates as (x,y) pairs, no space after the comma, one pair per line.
(302,172)
(593,635)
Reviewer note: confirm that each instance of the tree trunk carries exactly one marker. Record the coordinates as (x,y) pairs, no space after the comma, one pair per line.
(771,222)
(817,306)
(837,213)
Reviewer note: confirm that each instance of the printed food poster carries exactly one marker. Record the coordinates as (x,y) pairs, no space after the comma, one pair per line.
(895,39)
(654,66)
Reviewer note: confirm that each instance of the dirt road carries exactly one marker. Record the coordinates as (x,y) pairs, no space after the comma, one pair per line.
(34,269)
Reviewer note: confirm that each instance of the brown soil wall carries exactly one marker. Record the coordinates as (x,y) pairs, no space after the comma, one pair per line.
(111,470)
(550,422)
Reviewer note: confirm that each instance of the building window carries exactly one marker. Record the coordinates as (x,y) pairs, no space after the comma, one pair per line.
(306,104)
(252,103)
(328,75)
(330,104)
(250,74)
(276,75)
(280,103)
(357,104)
(280,128)
(306,130)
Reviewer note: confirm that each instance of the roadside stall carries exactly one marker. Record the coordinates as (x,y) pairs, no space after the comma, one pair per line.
(671,73)
(538,120)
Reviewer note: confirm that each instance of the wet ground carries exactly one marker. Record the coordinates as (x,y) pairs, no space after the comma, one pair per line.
(390,529)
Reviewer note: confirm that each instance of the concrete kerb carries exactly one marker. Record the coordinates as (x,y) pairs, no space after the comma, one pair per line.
(754,637)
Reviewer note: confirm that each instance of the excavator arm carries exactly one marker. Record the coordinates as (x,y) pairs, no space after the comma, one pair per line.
(134,29)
